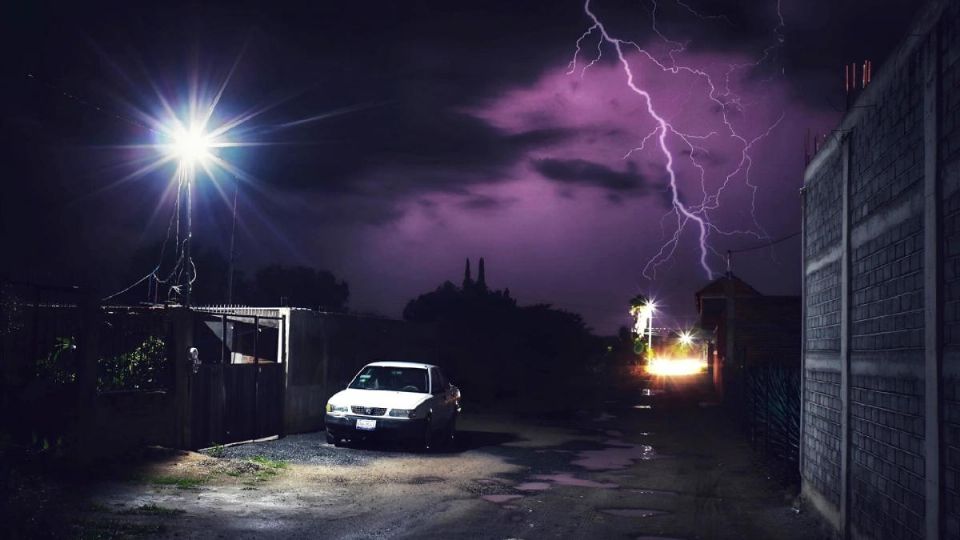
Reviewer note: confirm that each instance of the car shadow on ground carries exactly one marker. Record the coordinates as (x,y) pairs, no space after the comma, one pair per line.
(465,440)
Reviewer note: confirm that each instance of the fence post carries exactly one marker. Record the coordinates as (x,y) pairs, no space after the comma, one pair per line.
(933,288)
(181,325)
(89,353)
(223,339)
(256,376)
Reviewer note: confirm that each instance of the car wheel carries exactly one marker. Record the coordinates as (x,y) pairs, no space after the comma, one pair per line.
(332,439)
(427,441)
(451,432)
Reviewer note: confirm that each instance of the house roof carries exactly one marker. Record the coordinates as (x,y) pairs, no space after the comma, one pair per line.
(718,287)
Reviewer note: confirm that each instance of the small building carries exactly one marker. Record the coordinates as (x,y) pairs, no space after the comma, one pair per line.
(745,328)
(268,371)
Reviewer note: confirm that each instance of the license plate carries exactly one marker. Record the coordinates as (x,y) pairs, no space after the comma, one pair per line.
(367,425)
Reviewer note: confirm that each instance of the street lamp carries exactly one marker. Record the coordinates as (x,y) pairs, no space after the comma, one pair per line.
(644,322)
(685,338)
(190,146)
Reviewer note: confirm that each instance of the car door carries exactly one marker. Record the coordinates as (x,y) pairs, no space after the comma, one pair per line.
(440,397)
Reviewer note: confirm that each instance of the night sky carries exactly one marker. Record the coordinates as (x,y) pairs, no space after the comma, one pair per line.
(402,137)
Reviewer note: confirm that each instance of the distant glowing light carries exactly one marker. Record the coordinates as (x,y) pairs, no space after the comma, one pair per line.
(642,314)
(676,367)
(685,338)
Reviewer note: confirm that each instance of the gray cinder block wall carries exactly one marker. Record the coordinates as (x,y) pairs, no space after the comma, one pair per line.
(881,403)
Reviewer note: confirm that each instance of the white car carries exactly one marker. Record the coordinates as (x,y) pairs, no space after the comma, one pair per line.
(395,400)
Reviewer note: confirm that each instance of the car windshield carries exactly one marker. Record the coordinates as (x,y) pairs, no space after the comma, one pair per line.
(398,379)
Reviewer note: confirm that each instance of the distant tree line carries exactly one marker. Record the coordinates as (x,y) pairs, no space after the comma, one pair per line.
(269,286)
(495,348)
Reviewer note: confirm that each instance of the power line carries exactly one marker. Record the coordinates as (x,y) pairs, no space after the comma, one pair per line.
(139,281)
(767,244)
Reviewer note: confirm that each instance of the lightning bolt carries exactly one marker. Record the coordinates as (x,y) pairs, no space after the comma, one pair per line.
(668,137)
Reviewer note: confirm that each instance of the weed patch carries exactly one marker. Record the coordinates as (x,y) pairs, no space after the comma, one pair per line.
(151,510)
(182,482)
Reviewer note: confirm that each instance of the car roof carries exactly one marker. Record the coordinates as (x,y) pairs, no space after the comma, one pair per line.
(402,364)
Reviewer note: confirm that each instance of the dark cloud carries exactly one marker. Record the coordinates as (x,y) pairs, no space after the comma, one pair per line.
(485,202)
(406,71)
(579,171)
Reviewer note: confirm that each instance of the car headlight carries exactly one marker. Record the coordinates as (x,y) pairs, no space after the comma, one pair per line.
(403,413)
(331,408)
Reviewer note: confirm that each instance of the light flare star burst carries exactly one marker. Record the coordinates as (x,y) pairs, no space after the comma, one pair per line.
(672,141)
(190,137)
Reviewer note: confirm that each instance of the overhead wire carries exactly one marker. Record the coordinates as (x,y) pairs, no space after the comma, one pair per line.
(766,244)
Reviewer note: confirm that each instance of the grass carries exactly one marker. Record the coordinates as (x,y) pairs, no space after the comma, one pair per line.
(182,482)
(269,463)
(151,510)
(269,467)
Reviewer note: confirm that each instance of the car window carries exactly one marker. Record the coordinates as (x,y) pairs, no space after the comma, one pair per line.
(397,379)
(438,383)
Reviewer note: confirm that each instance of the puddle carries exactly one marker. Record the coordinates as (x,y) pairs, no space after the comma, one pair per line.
(500,498)
(533,486)
(620,456)
(566,479)
(633,512)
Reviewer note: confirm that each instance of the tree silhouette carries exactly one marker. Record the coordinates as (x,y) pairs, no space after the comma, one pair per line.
(495,348)
(299,286)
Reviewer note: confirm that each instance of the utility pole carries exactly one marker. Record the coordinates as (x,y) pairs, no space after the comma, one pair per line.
(233,239)
(189,261)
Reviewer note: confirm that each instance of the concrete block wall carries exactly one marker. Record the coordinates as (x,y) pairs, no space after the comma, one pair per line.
(821,451)
(949,155)
(881,410)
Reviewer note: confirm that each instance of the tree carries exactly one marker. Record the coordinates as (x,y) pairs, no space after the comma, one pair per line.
(299,286)
(495,348)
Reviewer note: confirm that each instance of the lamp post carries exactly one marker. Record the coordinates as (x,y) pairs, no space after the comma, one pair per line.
(643,312)
(190,147)
(233,236)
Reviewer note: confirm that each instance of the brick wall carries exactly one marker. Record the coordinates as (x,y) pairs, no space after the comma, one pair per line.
(821,423)
(949,154)
(884,406)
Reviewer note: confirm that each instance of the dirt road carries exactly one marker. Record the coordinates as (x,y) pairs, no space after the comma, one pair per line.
(641,466)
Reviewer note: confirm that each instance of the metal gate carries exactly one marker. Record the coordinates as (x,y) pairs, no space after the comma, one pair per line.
(237,390)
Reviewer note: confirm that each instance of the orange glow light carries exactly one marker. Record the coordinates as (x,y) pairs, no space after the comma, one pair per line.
(676,367)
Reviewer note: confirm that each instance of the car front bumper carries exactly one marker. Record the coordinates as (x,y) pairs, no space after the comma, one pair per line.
(345,426)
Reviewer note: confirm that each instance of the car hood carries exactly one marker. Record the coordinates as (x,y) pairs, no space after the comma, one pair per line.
(378,398)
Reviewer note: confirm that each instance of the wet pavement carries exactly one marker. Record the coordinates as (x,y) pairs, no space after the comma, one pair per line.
(644,465)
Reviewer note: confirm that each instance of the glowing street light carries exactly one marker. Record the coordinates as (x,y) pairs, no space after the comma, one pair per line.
(190,146)
(643,314)
(685,338)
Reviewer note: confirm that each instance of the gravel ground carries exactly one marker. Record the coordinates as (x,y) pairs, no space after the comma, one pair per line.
(302,448)
(619,471)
